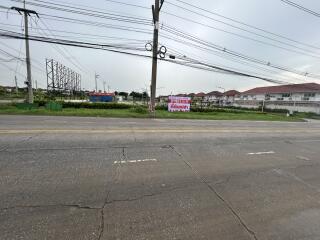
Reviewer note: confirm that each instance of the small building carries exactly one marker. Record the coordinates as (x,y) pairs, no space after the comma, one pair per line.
(101,97)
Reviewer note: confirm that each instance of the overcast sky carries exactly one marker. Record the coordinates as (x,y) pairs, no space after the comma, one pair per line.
(129,73)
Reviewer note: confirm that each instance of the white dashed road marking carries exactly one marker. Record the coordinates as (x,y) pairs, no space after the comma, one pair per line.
(261,153)
(136,161)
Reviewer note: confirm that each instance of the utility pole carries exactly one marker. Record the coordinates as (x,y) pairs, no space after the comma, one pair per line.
(155,12)
(108,89)
(16,83)
(104,86)
(27,13)
(36,85)
(96,76)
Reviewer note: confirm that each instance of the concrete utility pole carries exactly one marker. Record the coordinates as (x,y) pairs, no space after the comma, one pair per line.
(16,83)
(26,14)
(155,12)
(96,76)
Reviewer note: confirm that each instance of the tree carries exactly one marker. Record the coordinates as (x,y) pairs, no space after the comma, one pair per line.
(145,95)
(124,94)
(136,95)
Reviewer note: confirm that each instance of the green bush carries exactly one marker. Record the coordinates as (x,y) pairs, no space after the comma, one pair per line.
(163,107)
(96,105)
(139,109)
(53,106)
(212,110)
(27,106)
(43,103)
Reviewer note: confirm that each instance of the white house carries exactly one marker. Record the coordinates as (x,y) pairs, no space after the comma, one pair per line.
(213,97)
(293,92)
(295,97)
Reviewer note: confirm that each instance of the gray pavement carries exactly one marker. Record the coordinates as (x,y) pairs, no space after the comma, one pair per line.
(97,178)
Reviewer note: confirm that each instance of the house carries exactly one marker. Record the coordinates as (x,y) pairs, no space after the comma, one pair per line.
(230,96)
(292,92)
(293,97)
(199,96)
(213,97)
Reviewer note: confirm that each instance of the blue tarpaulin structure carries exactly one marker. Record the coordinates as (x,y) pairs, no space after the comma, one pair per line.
(101,97)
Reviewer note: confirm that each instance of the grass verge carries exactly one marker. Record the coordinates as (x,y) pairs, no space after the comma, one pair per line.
(132,113)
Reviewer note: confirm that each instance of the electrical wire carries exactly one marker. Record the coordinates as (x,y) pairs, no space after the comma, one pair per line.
(300,7)
(91,23)
(239,22)
(91,13)
(303,50)
(97,46)
(86,35)
(71,58)
(205,43)
(128,4)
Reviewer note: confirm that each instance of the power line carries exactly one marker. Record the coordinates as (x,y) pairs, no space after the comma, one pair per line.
(73,60)
(128,4)
(87,35)
(90,13)
(209,67)
(11,69)
(91,23)
(19,52)
(300,7)
(180,55)
(252,39)
(192,38)
(235,21)
(108,47)
(99,47)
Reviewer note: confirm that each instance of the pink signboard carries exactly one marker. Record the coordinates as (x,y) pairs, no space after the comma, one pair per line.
(179,104)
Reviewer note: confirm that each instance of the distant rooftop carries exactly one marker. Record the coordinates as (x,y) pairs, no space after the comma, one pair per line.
(292,88)
(231,93)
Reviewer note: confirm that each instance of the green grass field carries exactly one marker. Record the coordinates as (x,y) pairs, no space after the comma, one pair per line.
(131,113)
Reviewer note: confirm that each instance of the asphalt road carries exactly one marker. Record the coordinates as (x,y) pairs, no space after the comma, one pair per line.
(94,178)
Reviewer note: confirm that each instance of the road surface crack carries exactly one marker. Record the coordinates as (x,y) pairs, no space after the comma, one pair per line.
(51,206)
(19,142)
(114,180)
(212,189)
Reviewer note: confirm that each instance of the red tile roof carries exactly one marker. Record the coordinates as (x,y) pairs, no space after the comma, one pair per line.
(292,88)
(200,94)
(231,93)
(181,95)
(215,93)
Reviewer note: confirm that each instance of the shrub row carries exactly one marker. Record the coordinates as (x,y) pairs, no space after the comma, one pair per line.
(89,105)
